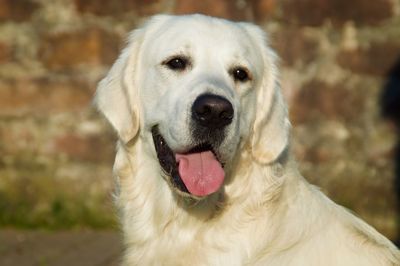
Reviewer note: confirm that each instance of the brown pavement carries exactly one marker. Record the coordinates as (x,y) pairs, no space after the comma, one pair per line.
(42,248)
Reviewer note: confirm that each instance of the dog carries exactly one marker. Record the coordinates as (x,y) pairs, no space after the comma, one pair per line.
(203,169)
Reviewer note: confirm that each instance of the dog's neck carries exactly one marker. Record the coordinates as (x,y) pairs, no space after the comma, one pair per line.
(151,209)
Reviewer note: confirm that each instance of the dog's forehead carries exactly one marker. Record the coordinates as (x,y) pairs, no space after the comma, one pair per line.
(191,35)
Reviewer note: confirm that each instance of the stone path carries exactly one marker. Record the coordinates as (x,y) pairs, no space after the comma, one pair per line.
(77,248)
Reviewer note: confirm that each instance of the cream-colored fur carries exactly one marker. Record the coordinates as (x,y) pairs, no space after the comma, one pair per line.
(265,213)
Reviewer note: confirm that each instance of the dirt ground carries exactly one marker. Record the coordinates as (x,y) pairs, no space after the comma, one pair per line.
(42,248)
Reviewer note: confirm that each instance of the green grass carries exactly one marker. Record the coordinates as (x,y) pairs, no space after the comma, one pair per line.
(33,198)
(59,213)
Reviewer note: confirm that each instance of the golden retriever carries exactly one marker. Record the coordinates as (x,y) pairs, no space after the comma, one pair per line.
(204,173)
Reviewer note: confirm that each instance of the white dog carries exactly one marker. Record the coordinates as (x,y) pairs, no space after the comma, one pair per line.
(203,169)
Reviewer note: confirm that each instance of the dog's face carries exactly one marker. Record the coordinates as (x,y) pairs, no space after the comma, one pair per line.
(197,87)
(199,78)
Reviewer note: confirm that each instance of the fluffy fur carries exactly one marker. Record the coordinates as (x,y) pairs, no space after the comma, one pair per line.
(265,213)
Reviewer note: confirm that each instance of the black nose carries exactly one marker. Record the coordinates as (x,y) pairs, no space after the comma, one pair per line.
(212,111)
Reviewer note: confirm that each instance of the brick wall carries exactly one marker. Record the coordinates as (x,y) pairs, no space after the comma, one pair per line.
(335,59)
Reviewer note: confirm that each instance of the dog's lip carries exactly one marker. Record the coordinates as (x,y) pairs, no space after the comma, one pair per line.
(204,146)
(167,159)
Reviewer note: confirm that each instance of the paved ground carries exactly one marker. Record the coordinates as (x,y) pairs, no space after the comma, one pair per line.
(77,248)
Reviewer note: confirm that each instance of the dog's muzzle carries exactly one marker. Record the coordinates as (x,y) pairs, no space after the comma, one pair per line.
(198,171)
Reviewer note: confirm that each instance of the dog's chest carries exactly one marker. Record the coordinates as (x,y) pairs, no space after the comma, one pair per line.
(190,245)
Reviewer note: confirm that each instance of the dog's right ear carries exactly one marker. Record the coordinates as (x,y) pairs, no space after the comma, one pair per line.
(117,94)
(271,127)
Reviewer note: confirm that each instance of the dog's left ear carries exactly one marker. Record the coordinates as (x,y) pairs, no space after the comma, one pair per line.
(116,95)
(271,127)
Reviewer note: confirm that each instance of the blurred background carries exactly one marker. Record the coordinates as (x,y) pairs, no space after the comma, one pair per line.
(340,63)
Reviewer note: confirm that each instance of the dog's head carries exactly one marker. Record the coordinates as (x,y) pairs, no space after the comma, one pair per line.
(199,88)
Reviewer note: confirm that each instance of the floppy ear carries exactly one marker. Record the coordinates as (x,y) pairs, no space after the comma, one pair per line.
(271,127)
(116,95)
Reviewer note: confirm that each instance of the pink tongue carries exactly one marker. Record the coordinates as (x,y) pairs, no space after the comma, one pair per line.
(201,172)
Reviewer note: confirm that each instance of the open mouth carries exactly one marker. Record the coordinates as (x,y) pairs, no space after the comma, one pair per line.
(197,172)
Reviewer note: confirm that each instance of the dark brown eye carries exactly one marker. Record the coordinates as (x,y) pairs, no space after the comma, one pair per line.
(240,74)
(177,63)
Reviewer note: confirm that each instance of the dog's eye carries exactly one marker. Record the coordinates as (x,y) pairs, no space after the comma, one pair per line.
(177,63)
(240,74)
